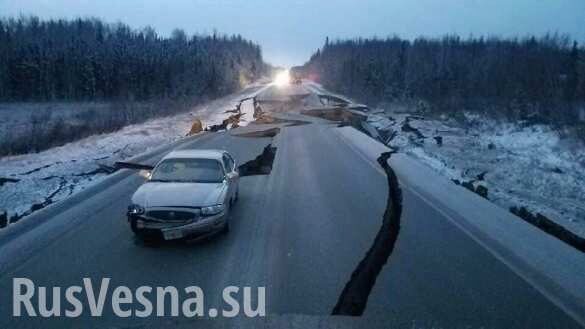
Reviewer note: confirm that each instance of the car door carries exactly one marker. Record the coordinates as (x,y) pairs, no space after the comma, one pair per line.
(232,176)
(234,170)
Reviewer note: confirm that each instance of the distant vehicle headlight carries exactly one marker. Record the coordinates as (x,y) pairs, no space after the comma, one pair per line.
(135,209)
(212,210)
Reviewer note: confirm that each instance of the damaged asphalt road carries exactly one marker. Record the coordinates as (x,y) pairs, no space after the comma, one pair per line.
(355,294)
(261,165)
(317,224)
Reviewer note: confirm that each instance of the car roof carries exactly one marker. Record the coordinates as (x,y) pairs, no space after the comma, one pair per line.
(195,154)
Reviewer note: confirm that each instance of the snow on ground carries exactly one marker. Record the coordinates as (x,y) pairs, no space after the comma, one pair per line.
(39,178)
(521,165)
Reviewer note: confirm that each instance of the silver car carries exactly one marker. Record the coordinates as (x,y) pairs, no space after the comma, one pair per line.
(188,193)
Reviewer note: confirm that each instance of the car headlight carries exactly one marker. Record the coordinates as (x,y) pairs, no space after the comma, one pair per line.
(212,210)
(135,209)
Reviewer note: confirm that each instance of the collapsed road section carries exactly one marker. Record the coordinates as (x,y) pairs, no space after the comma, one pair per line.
(261,165)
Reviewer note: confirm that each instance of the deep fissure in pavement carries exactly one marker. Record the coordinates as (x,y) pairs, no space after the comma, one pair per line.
(261,165)
(355,294)
(551,227)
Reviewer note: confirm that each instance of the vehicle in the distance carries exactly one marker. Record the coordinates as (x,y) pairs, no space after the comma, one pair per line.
(296,75)
(188,193)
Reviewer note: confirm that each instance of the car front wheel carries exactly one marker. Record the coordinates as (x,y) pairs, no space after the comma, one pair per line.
(133,225)
(226,226)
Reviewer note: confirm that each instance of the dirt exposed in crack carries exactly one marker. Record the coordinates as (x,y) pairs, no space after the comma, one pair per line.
(262,165)
(355,294)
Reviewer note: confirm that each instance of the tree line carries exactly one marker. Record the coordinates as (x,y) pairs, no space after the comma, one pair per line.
(539,78)
(87,59)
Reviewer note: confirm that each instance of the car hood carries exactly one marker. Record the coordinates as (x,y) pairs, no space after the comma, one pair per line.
(157,194)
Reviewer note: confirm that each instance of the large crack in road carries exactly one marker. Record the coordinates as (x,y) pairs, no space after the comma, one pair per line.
(261,165)
(355,294)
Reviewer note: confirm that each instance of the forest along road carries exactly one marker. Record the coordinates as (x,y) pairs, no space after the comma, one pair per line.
(299,231)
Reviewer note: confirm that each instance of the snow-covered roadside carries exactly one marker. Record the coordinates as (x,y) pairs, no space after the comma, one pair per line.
(520,165)
(31,181)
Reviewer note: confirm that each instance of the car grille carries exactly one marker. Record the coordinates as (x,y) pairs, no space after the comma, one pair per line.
(172,215)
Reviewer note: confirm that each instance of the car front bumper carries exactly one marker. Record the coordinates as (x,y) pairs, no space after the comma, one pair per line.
(173,231)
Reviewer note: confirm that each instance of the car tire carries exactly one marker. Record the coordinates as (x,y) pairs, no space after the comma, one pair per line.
(139,235)
(133,226)
(226,227)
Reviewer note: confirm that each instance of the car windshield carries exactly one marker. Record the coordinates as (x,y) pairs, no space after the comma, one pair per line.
(188,170)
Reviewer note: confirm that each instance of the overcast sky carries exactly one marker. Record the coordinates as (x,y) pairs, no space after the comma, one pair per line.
(290,30)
